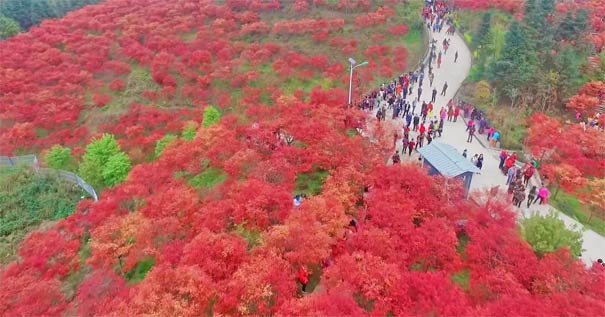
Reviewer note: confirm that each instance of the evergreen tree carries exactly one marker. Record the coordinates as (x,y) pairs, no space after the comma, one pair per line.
(8,27)
(26,12)
(567,66)
(515,67)
(482,36)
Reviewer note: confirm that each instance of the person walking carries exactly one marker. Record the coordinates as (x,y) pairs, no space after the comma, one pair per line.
(420,140)
(419,92)
(411,146)
(531,195)
(529,172)
(456,113)
(494,139)
(471,133)
(543,194)
(431,78)
(503,156)
(444,89)
(456,57)
(519,195)
(464,153)
(416,121)
(408,119)
(434,97)
(510,175)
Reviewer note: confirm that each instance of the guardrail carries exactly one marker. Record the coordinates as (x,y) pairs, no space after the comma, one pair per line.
(32,161)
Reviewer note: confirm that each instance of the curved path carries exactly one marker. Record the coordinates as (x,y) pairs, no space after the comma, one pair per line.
(454,133)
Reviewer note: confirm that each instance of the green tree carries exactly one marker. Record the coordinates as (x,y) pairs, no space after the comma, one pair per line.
(59,157)
(116,169)
(567,65)
(482,36)
(94,162)
(516,64)
(8,27)
(161,143)
(571,27)
(211,116)
(548,234)
(26,12)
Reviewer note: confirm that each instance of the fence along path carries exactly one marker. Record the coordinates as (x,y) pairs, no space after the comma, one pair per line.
(32,161)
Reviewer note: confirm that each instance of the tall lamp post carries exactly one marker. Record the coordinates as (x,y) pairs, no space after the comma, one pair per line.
(353,66)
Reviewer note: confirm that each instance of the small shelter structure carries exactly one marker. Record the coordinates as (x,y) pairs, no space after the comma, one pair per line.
(443,159)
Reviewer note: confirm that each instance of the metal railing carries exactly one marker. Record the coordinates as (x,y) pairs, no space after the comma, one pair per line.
(32,161)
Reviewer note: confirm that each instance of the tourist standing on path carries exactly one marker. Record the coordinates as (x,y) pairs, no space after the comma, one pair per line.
(434,97)
(444,89)
(479,163)
(431,78)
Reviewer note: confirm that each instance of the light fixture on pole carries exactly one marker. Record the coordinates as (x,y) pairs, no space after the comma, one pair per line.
(353,66)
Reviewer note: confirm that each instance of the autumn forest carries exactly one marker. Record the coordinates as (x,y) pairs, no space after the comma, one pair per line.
(234,179)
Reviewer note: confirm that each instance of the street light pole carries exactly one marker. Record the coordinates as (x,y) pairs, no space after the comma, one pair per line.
(352,62)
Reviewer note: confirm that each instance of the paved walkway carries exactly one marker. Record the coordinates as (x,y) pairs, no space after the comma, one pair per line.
(454,133)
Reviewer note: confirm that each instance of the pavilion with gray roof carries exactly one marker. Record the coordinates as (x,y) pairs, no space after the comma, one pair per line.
(444,159)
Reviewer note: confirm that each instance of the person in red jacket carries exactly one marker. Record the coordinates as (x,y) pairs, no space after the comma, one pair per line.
(456,113)
(303,277)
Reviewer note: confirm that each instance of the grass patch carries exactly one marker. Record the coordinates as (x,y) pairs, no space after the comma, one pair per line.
(310,183)
(253,236)
(209,178)
(27,200)
(463,240)
(569,205)
(138,273)
(462,279)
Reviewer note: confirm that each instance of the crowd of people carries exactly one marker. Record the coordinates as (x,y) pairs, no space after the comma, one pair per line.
(404,95)
(518,179)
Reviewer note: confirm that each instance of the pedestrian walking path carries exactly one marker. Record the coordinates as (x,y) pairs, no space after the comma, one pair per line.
(454,133)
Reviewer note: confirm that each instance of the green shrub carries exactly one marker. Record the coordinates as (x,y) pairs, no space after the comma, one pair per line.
(59,157)
(138,273)
(211,116)
(548,233)
(209,178)
(28,199)
(161,143)
(189,130)
(310,183)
